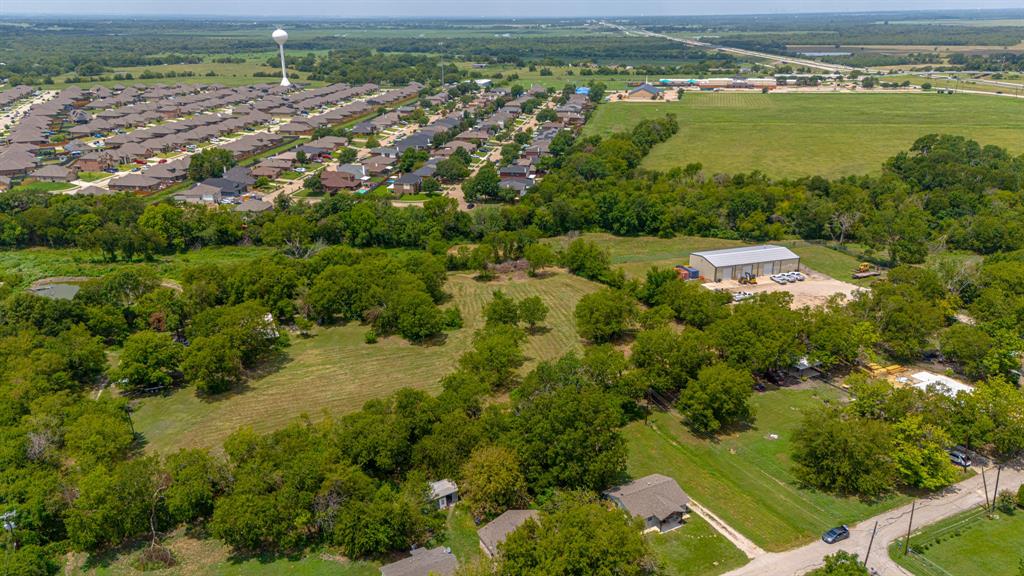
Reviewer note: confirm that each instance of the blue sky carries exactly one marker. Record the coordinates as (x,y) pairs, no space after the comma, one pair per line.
(474,8)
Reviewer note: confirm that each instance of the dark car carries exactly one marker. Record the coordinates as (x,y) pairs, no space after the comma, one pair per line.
(960,458)
(836,534)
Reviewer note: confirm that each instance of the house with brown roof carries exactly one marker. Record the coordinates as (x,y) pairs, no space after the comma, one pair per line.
(656,499)
(54,173)
(134,183)
(334,181)
(94,162)
(494,532)
(254,206)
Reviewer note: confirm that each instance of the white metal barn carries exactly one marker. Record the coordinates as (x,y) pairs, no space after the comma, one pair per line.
(733,263)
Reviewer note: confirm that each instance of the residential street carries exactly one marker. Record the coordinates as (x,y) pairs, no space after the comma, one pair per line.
(892,525)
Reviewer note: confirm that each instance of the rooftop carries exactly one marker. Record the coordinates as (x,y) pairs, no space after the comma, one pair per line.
(655,495)
(747,255)
(423,562)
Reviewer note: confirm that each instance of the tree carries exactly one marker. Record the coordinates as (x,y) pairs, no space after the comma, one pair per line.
(451,170)
(485,184)
(197,480)
(718,398)
(501,310)
(841,563)
(844,454)
(213,364)
(569,437)
(209,163)
(117,504)
(540,256)
(491,482)
(149,360)
(418,318)
(691,303)
(577,538)
(495,356)
(669,359)
(968,346)
(605,315)
(761,335)
(920,454)
(301,157)
(587,259)
(533,311)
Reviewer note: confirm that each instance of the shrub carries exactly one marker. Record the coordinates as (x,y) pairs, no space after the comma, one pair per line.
(370,336)
(1006,502)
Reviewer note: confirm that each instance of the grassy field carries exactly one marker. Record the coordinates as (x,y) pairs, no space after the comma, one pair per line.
(43,187)
(831,135)
(335,371)
(636,255)
(695,549)
(35,263)
(746,478)
(965,545)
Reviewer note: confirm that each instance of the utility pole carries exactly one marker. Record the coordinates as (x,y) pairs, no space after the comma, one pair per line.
(442,74)
(995,491)
(906,545)
(870,544)
(984,483)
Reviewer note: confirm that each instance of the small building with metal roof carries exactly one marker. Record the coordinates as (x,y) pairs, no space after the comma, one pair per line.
(733,263)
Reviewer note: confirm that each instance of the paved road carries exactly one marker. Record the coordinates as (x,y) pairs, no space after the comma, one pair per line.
(892,525)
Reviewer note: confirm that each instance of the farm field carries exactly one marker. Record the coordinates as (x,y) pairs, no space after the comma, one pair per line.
(636,255)
(966,544)
(335,371)
(791,135)
(745,478)
(695,549)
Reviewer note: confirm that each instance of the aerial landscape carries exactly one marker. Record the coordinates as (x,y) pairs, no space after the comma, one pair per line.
(586,288)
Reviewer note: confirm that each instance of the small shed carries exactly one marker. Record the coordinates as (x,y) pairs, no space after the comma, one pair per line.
(444,493)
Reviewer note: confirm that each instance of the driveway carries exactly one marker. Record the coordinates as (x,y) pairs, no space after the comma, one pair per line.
(892,525)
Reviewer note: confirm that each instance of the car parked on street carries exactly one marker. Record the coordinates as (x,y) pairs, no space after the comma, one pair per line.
(836,534)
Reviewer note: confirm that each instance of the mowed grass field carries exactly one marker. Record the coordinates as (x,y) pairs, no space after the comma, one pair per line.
(966,544)
(695,549)
(791,135)
(746,478)
(636,255)
(335,372)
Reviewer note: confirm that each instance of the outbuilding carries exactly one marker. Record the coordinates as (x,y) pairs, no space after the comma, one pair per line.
(733,263)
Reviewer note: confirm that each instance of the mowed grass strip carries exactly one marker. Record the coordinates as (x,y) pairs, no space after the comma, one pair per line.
(636,255)
(966,544)
(695,549)
(746,478)
(335,372)
(792,135)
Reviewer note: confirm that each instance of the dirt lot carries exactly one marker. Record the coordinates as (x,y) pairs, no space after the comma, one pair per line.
(814,291)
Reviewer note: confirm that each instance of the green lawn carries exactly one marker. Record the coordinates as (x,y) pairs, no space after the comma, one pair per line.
(36,263)
(635,255)
(788,135)
(461,535)
(695,549)
(964,545)
(335,371)
(43,187)
(746,478)
(92,176)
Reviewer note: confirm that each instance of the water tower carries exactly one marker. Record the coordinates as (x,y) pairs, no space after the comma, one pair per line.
(280,36)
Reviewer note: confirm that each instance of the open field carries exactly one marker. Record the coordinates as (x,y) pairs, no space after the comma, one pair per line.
(745,478)
(965,83)
(789,135)
(695,549)
(636,255)
(335,371)
(36,263)
(965,545)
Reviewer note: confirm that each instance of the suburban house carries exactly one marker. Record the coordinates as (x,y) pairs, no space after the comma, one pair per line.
(408,184)
(334,181)
(444,493)
(377,165)
(494,532)
(95,162)
(54,173)
(199,194)
(134,183)
(423,562)
(254,206)
(657,499)
(515,171)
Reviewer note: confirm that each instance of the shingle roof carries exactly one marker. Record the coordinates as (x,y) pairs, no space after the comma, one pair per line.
(495,531)
(655,495)
(747,255)
(423,562)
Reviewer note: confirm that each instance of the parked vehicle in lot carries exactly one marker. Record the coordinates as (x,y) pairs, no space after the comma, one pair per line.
(741,296)
(836,534)
(779,279)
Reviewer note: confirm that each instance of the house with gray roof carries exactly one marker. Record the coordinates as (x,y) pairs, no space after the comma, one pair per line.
(494,532)
(444,493)
(423,562)
(656,499)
